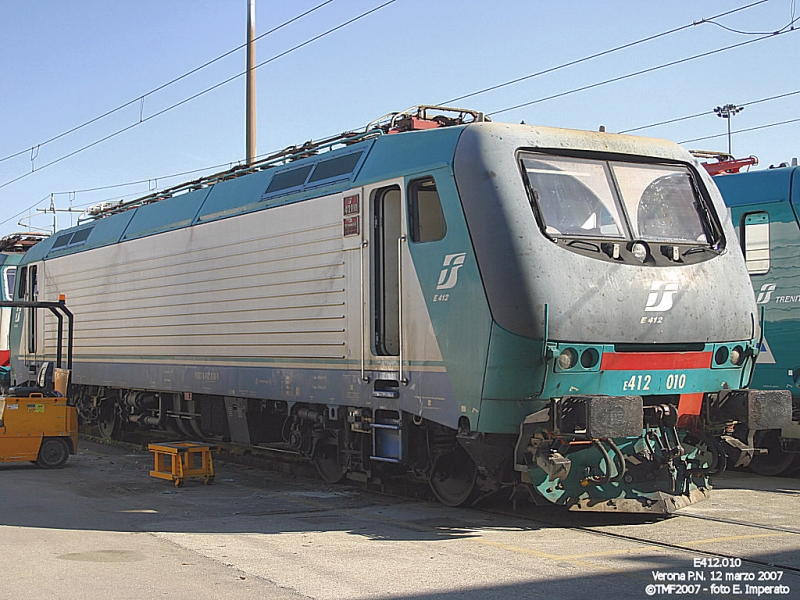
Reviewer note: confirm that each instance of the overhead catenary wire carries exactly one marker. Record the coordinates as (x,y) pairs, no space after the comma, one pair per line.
(321,5)
(640,72)
(604,52)
(141,98)
(786,27)
(756,128)
(197,95)
(25,210)
(164,85)
(706,113)
(652,37)
(469,95)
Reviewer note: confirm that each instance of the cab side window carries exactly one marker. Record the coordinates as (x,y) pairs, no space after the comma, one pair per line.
(425,211)
(22,283)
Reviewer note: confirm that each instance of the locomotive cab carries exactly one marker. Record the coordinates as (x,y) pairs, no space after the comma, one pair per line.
(608,265)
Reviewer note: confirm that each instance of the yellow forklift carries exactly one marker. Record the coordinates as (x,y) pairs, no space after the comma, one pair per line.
(36,422)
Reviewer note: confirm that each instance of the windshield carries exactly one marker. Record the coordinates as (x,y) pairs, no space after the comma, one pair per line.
(613,199)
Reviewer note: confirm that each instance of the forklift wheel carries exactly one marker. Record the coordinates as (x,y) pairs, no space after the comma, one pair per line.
(53,453)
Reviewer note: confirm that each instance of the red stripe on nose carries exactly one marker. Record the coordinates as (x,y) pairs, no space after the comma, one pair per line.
(655,361)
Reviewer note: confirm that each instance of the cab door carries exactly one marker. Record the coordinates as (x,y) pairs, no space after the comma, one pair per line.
(385,252)
(400,342)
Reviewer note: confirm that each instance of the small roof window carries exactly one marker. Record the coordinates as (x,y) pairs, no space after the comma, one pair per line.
(327,170)
(71,238)
(335,167)
(289,179)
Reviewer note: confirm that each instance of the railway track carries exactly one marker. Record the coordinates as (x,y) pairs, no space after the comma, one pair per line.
(791,530)
(630,528)
(633,528)
(755,562)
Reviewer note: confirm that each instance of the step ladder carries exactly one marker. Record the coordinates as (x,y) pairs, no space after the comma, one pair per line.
(179,461)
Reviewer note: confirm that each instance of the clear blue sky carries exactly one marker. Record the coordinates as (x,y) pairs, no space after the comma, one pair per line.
(65,63)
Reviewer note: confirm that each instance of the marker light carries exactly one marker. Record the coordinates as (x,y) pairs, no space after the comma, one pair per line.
(589,358)
(721,356)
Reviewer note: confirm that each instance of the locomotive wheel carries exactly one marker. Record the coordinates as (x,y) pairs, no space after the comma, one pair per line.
(326,459)
(775,461)
(53,453)
(453,478)
(108,421)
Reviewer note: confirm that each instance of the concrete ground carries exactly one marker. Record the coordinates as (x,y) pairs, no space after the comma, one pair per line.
(103,528)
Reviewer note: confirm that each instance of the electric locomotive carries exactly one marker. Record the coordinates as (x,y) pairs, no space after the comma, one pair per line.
(12,247)
(484,306)
(764,208)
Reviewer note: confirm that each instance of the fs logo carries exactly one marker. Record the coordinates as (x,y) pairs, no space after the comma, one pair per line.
(765,295)
(448,278)
(660,298)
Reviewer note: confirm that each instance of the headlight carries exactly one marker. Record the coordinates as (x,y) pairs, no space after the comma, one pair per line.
(567,359)
(737,354)
(639,250)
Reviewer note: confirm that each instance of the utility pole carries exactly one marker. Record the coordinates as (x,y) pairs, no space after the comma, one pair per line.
(51,209)
(251,83)
(727,112)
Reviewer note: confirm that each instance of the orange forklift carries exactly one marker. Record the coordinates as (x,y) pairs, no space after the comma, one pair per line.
(36,422)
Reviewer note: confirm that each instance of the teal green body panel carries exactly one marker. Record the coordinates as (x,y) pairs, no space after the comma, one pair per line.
(8,260)
(513,382)
(515,367)
(775,192)
(401,154)
(235,197)
(104,232)
(459,314)
(166,215)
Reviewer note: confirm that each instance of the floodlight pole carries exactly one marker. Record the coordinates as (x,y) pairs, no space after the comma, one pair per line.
(726,112)
(251,82)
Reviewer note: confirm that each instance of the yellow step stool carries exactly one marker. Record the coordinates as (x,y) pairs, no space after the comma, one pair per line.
(179,461)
